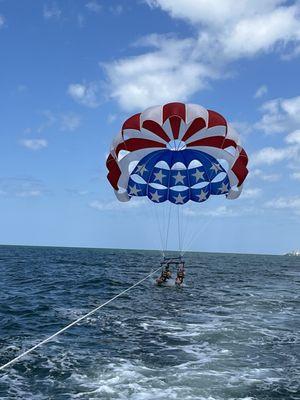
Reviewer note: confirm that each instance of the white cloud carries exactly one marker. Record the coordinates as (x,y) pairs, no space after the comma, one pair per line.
(29,193)
(261,91)
(255,173)
(80,20)
(223,12)
(93,6)
(78,192)
(285,203)
(117,9)
(51,11)
(263,32)
(271,177)
(243,128)
(111,118)
(258,173)
(176,68)
(159,75)
(295,175)
(85,93)
(295,52)
(251,193)
(2,21)
(280,115)
(21,187)
(34,144)
(293,137)
(271,155)
(115,205)
(49,120)
(22,88)
(221,211)
(69,122)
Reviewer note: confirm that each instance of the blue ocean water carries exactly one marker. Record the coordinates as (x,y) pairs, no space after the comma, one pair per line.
(232,332)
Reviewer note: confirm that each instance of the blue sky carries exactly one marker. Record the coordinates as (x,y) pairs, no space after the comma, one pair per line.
(72,71)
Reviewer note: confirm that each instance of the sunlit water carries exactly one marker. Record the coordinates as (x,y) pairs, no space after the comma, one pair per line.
(231,333)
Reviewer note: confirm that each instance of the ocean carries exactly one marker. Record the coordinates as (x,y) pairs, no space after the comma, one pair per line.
(232,332)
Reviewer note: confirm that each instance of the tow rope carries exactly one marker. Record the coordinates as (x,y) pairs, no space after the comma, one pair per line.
(30,350)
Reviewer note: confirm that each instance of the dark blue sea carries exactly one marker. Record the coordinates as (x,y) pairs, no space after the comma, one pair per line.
(232,332)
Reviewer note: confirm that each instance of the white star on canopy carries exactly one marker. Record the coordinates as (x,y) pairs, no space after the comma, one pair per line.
(179,178)
(216,167)
(155,196)
(141,169)
(224,188)
(159,176)
(202,196)
(134,190)
(179,199)
(198,175)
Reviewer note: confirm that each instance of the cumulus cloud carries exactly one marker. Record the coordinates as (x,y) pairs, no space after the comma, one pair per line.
(224,33)
(285,203)
(48,120)
(261,91)
(77,192)
(263,175)
(34,144)
(117,9)
(159,75)
(251,193)
(293,137)
(93,6)
(115,205)
(85,93)
(69,122)
(296,175)
(80,20)
(2,21)
(271,155)
(224,12)
(221,211)
(111,118)
(21,187)
(29,193)
(280,115)
(22,88)
(51,11)
(263,32)
(271,177)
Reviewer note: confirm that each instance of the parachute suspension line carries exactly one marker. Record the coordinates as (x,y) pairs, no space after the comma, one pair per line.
(196,233)
(31,349)
(160,229)
(178,228)
(168,226)
(185,230)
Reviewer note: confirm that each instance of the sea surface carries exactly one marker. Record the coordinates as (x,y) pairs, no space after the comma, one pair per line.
(232,332)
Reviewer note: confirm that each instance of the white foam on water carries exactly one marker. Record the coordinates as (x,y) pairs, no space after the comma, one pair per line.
(125,380)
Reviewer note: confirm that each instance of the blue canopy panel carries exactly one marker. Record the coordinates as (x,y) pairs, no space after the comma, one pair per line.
(181,183)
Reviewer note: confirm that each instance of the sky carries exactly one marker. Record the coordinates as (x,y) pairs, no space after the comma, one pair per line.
(73,71)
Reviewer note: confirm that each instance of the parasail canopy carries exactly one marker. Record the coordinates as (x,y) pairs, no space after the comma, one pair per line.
(177,153)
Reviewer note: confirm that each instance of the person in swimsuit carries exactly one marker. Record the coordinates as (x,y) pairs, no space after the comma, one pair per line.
(180,274)
(165,275)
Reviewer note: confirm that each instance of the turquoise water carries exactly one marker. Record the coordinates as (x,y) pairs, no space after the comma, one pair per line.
(231,333)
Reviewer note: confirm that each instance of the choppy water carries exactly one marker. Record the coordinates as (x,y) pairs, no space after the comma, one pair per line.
(232,333)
